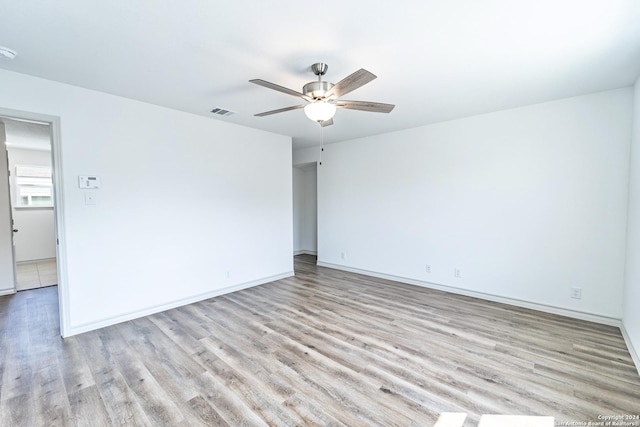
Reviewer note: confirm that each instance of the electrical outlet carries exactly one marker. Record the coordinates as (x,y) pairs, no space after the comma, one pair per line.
(428,268)
(343,255)
(576,293)
(228,274)
(457,273)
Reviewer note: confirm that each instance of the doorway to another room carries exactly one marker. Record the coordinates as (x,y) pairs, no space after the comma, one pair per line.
(31,199)
(305,209)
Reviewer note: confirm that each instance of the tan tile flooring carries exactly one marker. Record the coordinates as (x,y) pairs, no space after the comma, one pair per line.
(36,274)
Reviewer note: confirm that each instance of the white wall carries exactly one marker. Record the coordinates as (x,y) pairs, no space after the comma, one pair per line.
(526,203)
(631,318)
(189,206)
(36,236)
(6,252)
(304,156)
(305,209)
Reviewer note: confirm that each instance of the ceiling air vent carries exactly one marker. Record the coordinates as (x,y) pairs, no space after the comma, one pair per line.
(222,112)
(5,52)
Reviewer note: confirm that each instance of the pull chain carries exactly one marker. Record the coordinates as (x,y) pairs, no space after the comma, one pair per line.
(321,142)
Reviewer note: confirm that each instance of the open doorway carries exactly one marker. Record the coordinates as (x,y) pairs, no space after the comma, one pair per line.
(31,199)
(305,209)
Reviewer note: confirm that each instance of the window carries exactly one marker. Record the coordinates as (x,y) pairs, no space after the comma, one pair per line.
(34,187)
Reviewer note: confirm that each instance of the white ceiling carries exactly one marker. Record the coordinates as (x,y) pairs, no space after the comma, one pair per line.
(436,60)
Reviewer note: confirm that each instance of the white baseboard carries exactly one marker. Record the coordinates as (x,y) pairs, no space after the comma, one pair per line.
(605,320)
(7,292)
(86,327)
(305,252)
(632,350)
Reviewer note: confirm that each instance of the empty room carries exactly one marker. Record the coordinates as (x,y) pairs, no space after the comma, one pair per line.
(336,213)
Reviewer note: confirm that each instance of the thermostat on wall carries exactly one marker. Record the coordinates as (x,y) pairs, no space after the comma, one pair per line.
(88,181)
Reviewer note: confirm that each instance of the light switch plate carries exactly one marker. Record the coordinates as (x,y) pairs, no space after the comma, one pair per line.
(90,198)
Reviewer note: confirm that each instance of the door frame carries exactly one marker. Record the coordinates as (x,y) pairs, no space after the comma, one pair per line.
(5,155)
(58,208)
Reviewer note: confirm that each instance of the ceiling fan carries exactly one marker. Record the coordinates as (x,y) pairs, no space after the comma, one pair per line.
(322,96)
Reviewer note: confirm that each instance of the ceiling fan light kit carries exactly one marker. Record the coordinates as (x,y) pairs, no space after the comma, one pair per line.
(320,111)
(322,96)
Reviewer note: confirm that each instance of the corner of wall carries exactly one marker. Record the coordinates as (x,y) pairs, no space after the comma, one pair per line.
(631,292)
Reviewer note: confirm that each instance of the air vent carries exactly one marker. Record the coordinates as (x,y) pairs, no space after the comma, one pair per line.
(5,52)
(222,112)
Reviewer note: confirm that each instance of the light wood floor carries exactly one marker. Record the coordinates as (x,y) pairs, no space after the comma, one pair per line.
(324,348)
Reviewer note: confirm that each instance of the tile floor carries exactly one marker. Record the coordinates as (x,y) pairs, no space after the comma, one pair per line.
(36,274)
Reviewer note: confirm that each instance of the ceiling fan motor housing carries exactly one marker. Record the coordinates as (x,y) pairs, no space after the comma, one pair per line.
(317,90)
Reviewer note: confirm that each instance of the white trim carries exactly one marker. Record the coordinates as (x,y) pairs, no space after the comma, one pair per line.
(25,146)
(630,347)
(86,327)
(59,206)
(48,207)
(304,252)
(30,261)
(597,318)
(7,292)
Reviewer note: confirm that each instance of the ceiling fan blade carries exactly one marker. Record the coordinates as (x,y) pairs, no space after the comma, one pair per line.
(375,107)
(351,83)
(326,123)
(279,88)
(280,110)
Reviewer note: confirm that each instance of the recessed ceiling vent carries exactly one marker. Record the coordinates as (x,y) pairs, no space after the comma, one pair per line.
(222,112)
(5,52)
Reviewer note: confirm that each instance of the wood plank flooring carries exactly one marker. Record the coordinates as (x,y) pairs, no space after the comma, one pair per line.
(325,347)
